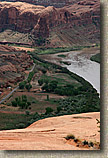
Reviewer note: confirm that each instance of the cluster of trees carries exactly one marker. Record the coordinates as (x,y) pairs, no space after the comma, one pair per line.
(67,90)
(22,102)
(31,74)
(52,86)
(26,85)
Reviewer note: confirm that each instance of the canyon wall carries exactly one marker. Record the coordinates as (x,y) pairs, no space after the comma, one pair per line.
(40,20)
(55,3)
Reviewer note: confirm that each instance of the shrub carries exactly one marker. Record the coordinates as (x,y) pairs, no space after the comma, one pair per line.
(8,104)
(28,103)
(41,81)
(45,87)
(91,144)
(21,125)
(16,99)
(21,85)
(22,104)
(28,87)
(76,140)
(31,74)
(44,71)
(70,136)
(47,97)
(48,110)
(27,113)
(85,142)
(24,98)
(59,109)
(14,103)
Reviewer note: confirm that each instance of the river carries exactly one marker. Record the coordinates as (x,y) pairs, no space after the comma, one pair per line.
(80,64)
(84,67)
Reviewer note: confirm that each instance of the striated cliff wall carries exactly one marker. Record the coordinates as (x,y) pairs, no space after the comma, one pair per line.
(40,20)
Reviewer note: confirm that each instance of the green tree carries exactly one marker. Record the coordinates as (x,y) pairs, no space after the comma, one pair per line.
(47,97)
(41,81)
(28,87)
(21,85)
(48,110)
(24,98)
(59,109)
(14,103)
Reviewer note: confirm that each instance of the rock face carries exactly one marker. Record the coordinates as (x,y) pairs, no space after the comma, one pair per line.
(50,133)
(55,3)
(12,66)
(46,22)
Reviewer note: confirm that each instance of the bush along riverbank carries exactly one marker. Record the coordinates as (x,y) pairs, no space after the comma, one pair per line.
(96,58)
(83,99)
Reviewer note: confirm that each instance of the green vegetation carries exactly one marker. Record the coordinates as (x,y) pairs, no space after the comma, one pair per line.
(96,58)
(82,143)
(79,95)
(13,121)
(62,55)
(70,136)
(22,85)
(31,74)
(22,102)
(48,98)
(28,87)
(41,51)
(48,110)
(82,98)
(85,142)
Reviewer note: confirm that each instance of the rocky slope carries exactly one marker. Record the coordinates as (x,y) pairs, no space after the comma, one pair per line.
(50,133)
(12,65)
(55,3)
(76,24)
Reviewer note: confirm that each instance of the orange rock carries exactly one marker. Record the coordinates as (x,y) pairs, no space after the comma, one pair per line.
(50,133)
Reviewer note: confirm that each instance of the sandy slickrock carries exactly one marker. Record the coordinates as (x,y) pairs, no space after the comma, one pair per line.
(49,133)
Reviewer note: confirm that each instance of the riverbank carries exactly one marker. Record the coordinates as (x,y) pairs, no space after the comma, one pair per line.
(79,62)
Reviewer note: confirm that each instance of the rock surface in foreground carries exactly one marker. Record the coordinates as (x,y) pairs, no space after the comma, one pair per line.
(49,133)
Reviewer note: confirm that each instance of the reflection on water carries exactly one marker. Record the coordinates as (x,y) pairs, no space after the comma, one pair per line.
(86,68)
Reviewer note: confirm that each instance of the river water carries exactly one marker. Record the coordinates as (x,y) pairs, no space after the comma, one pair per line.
(84,67)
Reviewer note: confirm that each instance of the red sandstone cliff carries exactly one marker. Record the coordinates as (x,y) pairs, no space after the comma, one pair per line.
(41,22)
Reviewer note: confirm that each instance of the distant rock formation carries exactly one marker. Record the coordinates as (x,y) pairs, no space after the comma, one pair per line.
(55,3)
(81,20)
